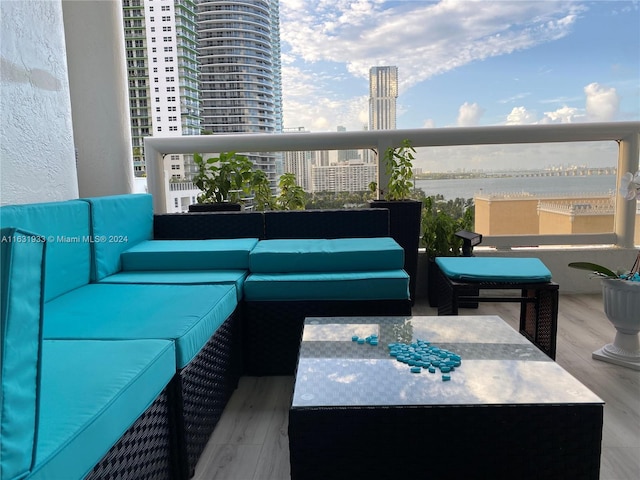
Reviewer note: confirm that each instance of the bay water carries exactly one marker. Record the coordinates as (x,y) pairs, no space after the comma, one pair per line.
(563,185)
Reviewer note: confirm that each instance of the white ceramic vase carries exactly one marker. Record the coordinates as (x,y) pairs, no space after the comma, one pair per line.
(622,307)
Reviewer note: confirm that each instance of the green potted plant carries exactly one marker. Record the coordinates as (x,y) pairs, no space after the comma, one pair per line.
(439,227)
(404,211)
(225,181)
(292,196)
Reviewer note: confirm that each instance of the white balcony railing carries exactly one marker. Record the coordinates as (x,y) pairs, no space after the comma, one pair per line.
(625,133)
(615,248)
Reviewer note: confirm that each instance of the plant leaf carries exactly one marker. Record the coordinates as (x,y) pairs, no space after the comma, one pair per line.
(593,267)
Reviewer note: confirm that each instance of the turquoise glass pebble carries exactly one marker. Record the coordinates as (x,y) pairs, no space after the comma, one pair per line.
(421,354)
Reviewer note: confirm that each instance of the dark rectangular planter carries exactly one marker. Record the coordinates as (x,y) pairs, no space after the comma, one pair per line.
(404,228)
(215,207)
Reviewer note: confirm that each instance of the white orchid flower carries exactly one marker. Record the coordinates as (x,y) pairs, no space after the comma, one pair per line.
(630,185)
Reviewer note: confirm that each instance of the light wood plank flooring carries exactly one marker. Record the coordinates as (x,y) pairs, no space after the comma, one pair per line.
(250,442)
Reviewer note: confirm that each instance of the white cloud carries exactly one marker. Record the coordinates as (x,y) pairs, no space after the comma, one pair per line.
(422,39)
(563,115)
(469,114)
(602,102)
(521,116)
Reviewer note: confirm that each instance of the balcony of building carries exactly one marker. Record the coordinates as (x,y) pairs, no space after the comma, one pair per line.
(71,138)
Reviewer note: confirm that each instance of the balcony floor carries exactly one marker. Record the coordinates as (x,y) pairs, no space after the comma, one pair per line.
(250,442)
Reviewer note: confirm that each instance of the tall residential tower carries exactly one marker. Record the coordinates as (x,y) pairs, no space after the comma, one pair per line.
(161,47)
(239,53)
(383,92)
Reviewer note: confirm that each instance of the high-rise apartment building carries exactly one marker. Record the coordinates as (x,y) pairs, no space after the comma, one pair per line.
(383,92)
(162,60)
(345,177)
(239,52)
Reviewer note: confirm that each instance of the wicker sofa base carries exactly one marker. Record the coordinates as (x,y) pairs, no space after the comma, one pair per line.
(272,330)
(146,450)
(203,389)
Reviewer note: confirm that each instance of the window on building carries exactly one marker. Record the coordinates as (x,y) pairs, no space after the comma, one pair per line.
(152,19)
(173,119)
(166,18)
(158,119)
(173,129)
(157,89)
(155,69)
(159,129)
(170,79)
(168,49)
(168,69)
(168,59)
(171,89)
(171,99)
(166,39)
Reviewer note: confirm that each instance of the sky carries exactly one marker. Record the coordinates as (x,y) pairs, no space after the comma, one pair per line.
(461,62)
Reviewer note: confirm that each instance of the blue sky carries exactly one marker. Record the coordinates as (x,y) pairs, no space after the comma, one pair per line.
(461,62)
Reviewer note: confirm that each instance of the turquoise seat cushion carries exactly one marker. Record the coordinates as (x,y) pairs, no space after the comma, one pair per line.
(188,314)
(377,285)
(176,277)
(21,289)
(118,222)
(222,254)
(494,269)
(326,255)
(65,226)
(92,392)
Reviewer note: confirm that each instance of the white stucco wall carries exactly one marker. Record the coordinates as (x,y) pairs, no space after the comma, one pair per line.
(37,155)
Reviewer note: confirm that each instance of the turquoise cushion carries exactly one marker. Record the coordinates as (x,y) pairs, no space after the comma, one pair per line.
(322,255)
(192,277)
(188,314)
(221,254)
(494,269)
(118,223)
(22,265)
(378,285)
(65,225)
(92,392)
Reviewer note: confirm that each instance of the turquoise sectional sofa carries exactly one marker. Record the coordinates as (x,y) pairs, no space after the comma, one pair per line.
(124,333)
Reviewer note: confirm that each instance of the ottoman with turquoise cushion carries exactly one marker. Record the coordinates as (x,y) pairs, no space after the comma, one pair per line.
(463,279)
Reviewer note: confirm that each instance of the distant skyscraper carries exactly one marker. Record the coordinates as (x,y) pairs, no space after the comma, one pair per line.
(162,68)
(239,53)
(383,92)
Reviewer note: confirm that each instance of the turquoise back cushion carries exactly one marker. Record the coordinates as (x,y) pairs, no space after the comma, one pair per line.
(322,255)
(118,223)
(65,226)
(20,349)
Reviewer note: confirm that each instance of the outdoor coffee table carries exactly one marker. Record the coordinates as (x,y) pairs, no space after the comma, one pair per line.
(508,411)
